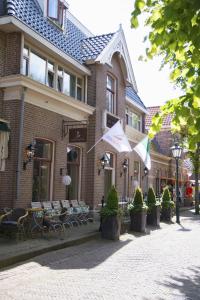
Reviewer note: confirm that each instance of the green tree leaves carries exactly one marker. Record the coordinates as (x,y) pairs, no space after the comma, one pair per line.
(175,35)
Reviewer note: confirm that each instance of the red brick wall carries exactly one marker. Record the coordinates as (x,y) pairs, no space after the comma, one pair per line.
(42,123)
(95,182)
(13,50)
(10,49)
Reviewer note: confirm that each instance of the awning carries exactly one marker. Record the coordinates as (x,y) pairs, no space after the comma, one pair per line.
(4,126)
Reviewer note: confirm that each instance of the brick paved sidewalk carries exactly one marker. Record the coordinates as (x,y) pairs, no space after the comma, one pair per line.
(161,265)
(12,251)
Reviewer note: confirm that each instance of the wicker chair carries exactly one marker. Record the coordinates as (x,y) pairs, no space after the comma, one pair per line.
(13,223)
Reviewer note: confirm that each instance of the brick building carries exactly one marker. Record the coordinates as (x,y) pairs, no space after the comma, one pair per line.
(61,88)
(163,164)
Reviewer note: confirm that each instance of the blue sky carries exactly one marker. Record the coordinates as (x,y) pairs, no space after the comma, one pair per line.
(104,16)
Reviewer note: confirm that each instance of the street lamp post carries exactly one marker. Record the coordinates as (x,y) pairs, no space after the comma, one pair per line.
(176,152)
(125,168)
(146,172)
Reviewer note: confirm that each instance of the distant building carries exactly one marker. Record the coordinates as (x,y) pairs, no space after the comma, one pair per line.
(163,164)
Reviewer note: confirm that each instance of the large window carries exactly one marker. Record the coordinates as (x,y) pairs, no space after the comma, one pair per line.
(110,95)
(69,84)
(42,170)
(133,119)
(73,170)
(47,72)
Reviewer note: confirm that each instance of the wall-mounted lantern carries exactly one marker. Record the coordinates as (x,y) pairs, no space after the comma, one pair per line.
(124,166)
(29,152)
(103,161)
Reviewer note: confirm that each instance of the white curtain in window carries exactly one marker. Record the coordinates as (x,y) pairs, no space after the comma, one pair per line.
(4,138)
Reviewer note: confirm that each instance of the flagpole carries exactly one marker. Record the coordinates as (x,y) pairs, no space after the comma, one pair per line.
(94,145)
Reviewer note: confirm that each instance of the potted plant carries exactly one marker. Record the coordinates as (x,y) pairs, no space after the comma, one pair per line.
(153,212)
(167,205)
(138,212)
(111,217)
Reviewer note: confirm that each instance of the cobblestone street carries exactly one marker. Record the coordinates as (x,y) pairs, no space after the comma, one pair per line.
(164,264)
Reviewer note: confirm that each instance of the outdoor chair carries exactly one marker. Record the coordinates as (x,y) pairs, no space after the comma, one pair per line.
(73,220)
(77,209)
(86,211)
(13,223)
(52,217)
(36,204)
(64,215)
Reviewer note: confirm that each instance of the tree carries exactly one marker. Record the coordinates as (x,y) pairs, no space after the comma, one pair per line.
(174,34)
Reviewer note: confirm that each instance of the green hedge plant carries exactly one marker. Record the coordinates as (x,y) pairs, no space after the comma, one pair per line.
(138,204)
(151,199)
(166,199)
(112,205)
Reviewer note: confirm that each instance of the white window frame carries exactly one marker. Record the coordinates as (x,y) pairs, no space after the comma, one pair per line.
(131,121)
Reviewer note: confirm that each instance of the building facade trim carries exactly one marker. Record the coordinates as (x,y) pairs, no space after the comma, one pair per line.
(118,44)
(45,97)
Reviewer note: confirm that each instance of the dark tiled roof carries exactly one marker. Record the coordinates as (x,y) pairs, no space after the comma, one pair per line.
(134,96)
(152,111)
(29,12)
(93,46)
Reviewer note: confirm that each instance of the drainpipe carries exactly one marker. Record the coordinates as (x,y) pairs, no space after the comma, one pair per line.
(20,141)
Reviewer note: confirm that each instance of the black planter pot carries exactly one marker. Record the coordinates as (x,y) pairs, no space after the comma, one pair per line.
(110,228)
(166,214)
(138,221)
(153,217)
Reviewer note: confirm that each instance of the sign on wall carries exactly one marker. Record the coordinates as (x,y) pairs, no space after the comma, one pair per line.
(111,120)
(77,135)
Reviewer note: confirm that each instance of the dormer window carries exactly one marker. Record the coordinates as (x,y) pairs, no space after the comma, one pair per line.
(53,9)
(56,10)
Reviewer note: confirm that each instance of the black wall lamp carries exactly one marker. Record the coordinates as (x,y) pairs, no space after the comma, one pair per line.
(29,152)
(146,171)
(102,163)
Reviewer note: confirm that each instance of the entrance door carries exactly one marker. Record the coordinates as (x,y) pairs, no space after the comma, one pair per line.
(42,166)
(107,182)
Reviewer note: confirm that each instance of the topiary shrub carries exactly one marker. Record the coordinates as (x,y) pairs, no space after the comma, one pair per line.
(112,207)
(138,203)
(166,199)
(151,199)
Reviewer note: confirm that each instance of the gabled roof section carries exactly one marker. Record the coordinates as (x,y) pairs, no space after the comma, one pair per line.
(117,44)
(93,46)
(131,94)
(152,111)
(29,12)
